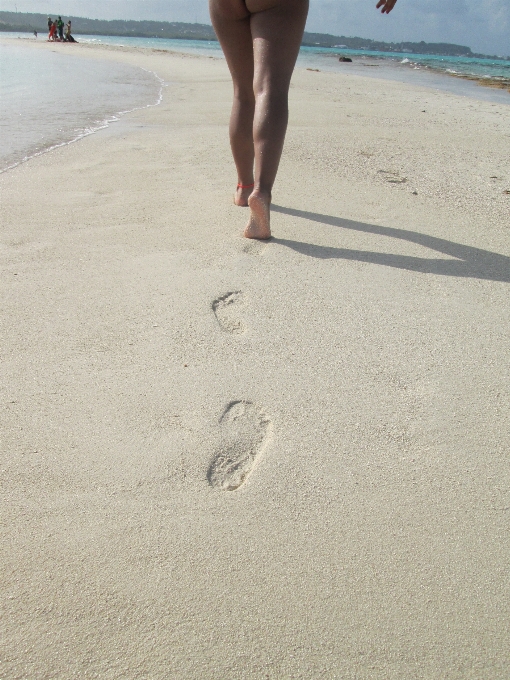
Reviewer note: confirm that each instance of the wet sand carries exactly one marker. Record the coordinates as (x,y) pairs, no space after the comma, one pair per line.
(223,458)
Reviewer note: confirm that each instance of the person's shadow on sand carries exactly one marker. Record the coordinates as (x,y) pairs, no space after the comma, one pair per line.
(468,262)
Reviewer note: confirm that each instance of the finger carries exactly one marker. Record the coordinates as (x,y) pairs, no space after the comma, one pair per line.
(387,5)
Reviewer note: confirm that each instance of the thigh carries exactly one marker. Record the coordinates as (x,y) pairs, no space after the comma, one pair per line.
(276,33)
(231,22)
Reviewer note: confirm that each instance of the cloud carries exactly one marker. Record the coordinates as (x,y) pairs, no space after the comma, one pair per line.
(483,25)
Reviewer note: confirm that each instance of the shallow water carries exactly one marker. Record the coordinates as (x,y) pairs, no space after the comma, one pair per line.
(52,98)
(472,66)
(438,72)
(409,73)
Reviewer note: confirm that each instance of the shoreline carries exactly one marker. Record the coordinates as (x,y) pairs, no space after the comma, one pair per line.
(496,82)
(390,61)
(427,76)
(86,49)
(96,116)
(360,357)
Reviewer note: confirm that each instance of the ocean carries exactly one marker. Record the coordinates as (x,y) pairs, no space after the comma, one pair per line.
(396,65)
(50,98)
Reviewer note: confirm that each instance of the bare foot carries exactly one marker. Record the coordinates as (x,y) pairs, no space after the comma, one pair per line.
(258,225)
(241,196)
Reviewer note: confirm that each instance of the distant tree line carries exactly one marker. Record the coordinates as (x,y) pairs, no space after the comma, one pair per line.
(11,21)
(444,49)
(24,22)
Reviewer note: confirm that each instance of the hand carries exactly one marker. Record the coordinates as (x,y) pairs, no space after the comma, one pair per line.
(387,5)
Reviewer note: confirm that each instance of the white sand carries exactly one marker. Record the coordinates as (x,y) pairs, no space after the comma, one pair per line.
(358,372)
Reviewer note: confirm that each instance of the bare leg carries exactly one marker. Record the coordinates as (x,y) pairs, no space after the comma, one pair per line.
(231,21)
(277,33)
(264,36)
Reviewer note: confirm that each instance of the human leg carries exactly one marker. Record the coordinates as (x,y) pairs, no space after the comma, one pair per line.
(276,32)
(231,21)
(260,39)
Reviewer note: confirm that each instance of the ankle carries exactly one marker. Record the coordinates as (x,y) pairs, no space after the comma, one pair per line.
(264,194)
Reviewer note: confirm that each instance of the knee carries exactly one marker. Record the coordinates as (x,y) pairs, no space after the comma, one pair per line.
(272,95)
(244,96)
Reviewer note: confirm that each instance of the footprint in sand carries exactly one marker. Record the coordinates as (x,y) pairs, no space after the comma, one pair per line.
(225,309)
(253,247)
(392,177)
(245,432)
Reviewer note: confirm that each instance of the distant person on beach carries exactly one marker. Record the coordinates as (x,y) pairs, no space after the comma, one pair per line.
(260,40)
(60,26)
(35,33)
(69,37)
(53,31)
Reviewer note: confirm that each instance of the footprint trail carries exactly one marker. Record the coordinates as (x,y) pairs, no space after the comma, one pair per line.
(245,433)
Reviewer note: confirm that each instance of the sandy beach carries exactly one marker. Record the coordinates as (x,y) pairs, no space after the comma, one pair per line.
(356,367)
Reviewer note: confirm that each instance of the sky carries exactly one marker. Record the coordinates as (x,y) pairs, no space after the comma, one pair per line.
(483,25)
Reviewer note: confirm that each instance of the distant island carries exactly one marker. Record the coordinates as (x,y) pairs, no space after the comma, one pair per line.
(25,22)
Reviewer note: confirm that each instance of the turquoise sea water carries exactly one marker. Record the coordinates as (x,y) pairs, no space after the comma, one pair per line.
(49,98)
(451,74)
(458,75)
(496,69)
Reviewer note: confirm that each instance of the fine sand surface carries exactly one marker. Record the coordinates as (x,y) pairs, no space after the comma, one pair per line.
(230,459)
